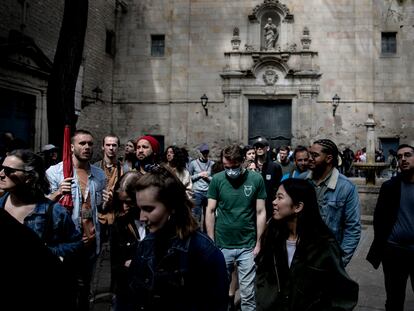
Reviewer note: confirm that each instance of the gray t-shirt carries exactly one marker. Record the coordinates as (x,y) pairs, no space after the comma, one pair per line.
(403,231)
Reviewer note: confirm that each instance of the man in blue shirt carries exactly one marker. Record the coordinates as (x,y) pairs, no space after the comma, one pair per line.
(337,196)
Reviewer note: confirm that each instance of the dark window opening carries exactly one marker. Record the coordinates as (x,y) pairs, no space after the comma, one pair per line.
(157,45)
(110,42)
(388,42)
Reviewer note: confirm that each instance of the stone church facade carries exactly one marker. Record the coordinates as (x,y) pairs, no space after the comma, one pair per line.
(268,67)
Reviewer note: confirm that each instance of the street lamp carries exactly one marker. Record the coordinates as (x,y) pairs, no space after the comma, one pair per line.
(335,103)
(204,102)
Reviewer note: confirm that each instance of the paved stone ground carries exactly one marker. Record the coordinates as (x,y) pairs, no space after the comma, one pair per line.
(371,281)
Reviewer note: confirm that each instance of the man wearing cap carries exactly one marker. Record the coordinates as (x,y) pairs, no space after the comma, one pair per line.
(200,171)
(337,196)
(50,155)
(271,172)
(393,244)
(148,149)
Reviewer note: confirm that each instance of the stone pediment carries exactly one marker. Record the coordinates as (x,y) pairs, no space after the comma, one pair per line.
(20,52)
(270,5)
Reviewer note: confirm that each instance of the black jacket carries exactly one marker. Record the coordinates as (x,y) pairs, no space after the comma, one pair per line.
(272,174)
(385,216)
(316,280)
(168,273)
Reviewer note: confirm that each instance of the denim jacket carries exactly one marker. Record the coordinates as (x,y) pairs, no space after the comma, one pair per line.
(341,212)
(96,184)
(189,275)
(65,239)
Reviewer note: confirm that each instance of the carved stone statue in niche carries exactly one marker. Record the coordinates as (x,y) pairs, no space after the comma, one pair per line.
(271,35)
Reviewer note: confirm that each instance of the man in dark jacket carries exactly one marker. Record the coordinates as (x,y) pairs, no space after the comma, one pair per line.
(393,243)
(271,172)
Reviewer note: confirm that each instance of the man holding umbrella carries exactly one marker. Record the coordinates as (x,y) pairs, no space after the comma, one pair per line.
(85,186)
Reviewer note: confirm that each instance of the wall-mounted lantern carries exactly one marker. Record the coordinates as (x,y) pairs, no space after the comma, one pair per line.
(204,102)
(335,103)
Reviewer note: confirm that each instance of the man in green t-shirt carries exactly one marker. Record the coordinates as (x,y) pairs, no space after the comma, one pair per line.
(236,217)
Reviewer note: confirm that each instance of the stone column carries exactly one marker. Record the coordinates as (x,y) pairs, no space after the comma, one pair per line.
(370,125)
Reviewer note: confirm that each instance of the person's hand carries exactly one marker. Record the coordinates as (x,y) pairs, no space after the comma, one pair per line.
(88,235)
(127,263)
(107,196)
(256,249)
(65,186)
(204,174)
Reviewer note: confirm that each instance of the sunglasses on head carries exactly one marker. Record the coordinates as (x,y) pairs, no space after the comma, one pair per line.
(10,170)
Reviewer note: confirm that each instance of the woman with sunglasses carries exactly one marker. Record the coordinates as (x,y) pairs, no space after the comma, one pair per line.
(300,266)
(176,267)
(22,177)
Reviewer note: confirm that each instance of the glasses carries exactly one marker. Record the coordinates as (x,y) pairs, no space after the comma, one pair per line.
(10,170)
(405,155)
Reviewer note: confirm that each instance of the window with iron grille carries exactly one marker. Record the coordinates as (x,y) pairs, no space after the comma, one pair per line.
(389,43)
(157,45)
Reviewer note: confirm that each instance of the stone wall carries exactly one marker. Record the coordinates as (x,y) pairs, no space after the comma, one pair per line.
(42,23)
(346,35)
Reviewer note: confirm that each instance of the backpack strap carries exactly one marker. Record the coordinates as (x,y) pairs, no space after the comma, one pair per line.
(48,229)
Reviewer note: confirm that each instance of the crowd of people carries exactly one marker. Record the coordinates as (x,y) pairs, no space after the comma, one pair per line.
(185,234)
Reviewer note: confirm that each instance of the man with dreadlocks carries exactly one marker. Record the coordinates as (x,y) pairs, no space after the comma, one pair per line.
(337,196)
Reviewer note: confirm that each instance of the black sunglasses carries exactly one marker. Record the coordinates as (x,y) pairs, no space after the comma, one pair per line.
(10,170)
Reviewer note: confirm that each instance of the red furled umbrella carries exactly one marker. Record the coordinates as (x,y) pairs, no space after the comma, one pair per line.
(66,200)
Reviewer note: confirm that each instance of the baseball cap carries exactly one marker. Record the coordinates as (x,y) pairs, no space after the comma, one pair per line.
(204,148)
(261,141)
(48,147)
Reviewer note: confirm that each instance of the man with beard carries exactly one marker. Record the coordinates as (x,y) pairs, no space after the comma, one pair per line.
(130,158)
(236,218)
(337,196)
(271,172)
(86,187)
(148,149)
(393,243)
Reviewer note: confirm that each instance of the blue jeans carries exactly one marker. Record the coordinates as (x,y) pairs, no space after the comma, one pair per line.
(244,259)
(200,203)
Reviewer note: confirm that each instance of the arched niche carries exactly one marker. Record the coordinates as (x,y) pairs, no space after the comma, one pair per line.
(280,15)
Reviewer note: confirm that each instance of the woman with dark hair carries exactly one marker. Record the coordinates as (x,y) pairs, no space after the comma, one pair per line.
(127,232)
(175,159)
(299,266)
(176,267)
